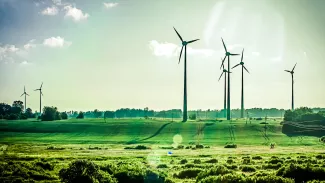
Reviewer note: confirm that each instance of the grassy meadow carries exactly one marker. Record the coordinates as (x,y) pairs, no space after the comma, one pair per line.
(35,151)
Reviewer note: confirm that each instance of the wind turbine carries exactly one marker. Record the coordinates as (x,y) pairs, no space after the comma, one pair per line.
(184,43)
(25,97)
(40,98)
(242,83)
(227,54)
(225,93)
(292,72)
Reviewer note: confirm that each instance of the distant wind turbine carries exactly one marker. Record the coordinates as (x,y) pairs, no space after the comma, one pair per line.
(228,54)
(184,43)
(40,97)
(225,93)
(242,83)
(25,97)
(292,72)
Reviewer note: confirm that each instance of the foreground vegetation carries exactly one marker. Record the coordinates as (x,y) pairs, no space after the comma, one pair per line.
(107,163)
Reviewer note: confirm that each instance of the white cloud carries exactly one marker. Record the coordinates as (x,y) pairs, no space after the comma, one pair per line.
(56,42)
(110,5)
(50,11)
(171,49)
(75,14)
(30,45)
(24,62)
(57,2)
(7,52)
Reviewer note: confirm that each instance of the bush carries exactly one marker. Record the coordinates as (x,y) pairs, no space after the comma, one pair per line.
(212,161)
(320,156)
(50,114)
(234,178)
(188,173)
(162,166)
(248,169)
(80,115)
(197,161)
(45,165)
(84,171)
(23,116)
(64,115)
(302,173)
(192,117)
(322,139)
(183,161)
(231,146)
(12,117)
(217,170)
(138,147)
(275,161)
(199,146)
(272,166)
(257,157)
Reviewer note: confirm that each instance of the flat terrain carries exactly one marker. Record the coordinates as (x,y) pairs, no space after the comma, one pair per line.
(153,132)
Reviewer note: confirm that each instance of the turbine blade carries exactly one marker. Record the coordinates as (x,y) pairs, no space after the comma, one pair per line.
(246,69)
(24,89)
(22,94)
(180,55)
(235,66)
(287,71)
(224,45)
(180,37)
(27,94)
(234,54)
(41,85)
(294,67)
(42,93)
(222,65)
(242,55)
(193,40)
(36,89)
(220,76)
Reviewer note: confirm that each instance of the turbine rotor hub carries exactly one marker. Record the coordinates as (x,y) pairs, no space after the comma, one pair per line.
(241,63)
(184,43)
(225,70)
(227,53)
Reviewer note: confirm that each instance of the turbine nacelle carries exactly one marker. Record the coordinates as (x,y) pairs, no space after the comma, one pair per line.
(228,53)
(225,70)
(241,63)
(184,43)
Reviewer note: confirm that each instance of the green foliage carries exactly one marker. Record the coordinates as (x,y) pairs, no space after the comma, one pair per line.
(183,161)
(231,146)
(197,161)
(29,113)
(84,171)
(45,165)
(199,146)
(50,114)
(235,178)
(302,173)
(109,114)
(64,115)
(188,173)
(212,161)
(192,116)
(275,161)
(272,166)
(248,168)
(80,115)
(217,170)
(162,166)
(303,114)
(138,147)
(322,139)
(257,157)
(23,116)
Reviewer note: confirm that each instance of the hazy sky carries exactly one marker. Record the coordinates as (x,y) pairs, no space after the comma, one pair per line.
(109,54)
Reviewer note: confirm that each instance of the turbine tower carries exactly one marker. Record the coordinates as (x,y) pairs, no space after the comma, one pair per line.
(225,90)
(25,97)
(292,99)
(184,43)
(242,83)
(40,97)
(228,54)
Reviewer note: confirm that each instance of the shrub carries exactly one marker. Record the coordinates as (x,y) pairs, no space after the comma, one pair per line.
(138,147)
(189,165)
(183,161)
(275,161)
(320,156)
(234,178)
(12,117)
(246,161)
(45,165)
(302,173)
(64,115)
(80,115)
(229,161)
(231,146)
(199,146)
(248,169)
(322,139)
(50,114)
(257,157)
(188,173)
(162,166)
(180,147)
(217,170)
(84,171)
(192,117)
(232,167)
(207,147)
(212,161)
(197,161)
(23,116)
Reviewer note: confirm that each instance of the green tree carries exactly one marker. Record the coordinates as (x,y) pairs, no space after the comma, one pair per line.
(64,115)
(80,115)
(97,113)
(18,104)
(29,113)
(4,109)
(50,114)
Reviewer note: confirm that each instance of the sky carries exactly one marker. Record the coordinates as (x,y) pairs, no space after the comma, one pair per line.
(110,54)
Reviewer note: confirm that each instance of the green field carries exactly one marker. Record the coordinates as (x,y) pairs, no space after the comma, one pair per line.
(155,132)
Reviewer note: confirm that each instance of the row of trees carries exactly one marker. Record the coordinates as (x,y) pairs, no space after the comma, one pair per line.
(15,111)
